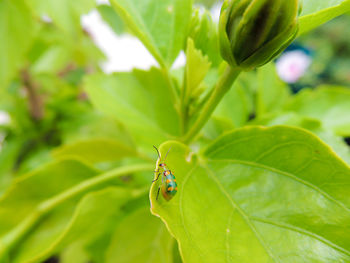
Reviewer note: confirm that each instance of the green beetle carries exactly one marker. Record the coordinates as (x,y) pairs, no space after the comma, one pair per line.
(169,185)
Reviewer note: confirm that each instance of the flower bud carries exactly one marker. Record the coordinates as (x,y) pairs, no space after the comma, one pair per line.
(253,32)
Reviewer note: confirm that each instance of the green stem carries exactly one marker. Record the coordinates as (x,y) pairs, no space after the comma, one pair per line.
(171,85)
(184,106)
(222,87)
(43,208)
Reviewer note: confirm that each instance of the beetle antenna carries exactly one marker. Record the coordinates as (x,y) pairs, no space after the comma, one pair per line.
(157,152)
(167,153)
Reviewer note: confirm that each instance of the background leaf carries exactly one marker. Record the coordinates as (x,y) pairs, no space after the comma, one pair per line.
(204,33)
(112,18)
(65,14)
(144,107)
(315,13)
(21,200)
(165,38)
(197,66)
(272,92)
(35,212)
(101,209)
(145,232)
(96,150)
(337,143)
(17,30)
(330,105)
(259,200)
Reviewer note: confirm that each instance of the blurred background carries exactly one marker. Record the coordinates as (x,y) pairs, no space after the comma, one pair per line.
(42,101)
(43,105)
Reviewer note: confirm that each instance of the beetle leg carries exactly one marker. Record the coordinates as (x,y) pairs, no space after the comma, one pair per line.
(158,193)
(156,178)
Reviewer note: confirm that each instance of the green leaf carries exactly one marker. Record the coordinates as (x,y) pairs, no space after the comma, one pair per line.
(160,25)
(141,100)
(36,211)
(140,237)
(94,125)
(315,126)
(112,18)
(315,12)
(204,33)
(197,67)
(8,158)
(53,52)
(65,13)
(330,105)
(96,150)
(272,92)
(337,144)
(74,254)
(102,209)
(16,35)
(278,194)
(27,192)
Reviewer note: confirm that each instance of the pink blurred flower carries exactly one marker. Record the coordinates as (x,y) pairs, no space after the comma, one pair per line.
(292,65)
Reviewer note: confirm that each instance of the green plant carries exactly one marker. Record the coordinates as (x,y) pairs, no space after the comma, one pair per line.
(262,175)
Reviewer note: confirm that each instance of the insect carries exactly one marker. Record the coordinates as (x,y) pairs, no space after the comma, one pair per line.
(168,186)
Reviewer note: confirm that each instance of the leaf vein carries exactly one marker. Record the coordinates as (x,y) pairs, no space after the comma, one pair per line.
(287,174)
(301,231)
(242,213)
(193,244)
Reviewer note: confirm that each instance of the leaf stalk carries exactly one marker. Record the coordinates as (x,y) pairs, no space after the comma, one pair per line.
(222,87)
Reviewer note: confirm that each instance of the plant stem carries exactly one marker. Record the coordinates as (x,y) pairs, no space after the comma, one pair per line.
(183,105)
(36,105)
(222,87)
(11,238)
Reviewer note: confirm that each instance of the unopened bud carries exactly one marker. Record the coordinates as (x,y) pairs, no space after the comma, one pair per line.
(253,32)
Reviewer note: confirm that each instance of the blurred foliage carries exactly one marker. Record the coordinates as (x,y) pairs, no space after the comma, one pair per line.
(330,47)
(76,156)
